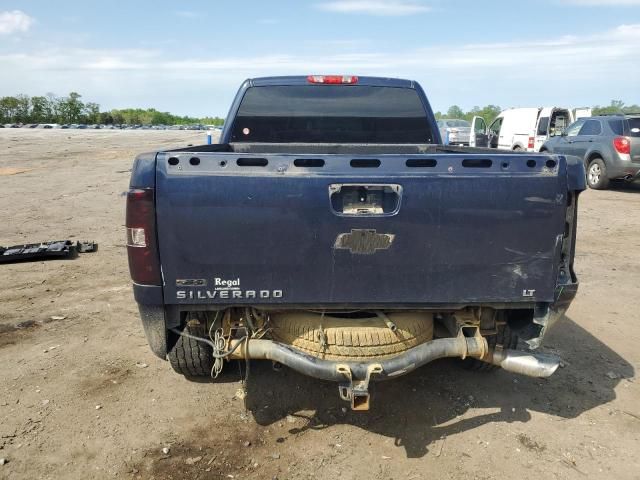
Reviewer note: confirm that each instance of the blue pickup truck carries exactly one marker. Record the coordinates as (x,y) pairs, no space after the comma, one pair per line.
(332,232)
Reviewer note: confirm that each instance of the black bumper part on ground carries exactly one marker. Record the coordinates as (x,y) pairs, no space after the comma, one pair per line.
(45,250)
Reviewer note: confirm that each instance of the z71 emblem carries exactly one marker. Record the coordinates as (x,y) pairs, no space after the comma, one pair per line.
(363,242)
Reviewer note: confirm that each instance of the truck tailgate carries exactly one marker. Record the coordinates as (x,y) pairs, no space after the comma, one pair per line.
(261,229)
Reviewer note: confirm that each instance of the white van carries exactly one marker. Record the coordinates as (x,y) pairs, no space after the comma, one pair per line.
(521,128)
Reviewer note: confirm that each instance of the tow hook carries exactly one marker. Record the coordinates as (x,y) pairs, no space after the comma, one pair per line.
(356,391)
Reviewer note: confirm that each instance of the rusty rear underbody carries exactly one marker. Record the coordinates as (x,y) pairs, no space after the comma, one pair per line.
(354,348)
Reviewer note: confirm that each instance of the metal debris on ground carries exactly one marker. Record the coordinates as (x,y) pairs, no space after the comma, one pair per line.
(45,250)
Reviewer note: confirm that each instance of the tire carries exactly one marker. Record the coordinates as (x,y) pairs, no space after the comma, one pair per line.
(189,357)
(597,174)
(504,337)
(352,339)
(517,148)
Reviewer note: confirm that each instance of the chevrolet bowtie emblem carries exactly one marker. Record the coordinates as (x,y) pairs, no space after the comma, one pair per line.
(363,242)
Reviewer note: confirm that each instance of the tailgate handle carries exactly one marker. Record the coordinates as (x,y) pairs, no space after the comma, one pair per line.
(365,200)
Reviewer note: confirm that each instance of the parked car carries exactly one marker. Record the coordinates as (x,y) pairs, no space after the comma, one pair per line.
(525,129)
(609,146)
(334,234)
(454,131)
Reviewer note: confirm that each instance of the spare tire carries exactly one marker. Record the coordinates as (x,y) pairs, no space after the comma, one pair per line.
(351,339)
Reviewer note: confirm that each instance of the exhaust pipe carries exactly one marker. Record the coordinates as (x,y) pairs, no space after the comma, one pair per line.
(631,177)
(540,365)
(262,349)
(354,377)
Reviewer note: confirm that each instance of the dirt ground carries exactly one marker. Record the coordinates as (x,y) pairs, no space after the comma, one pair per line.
(82,396)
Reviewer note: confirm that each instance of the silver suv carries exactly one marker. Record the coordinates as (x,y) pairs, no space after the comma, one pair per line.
(609,145)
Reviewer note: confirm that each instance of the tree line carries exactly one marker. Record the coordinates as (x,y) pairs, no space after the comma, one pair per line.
(71,109)
(491,111)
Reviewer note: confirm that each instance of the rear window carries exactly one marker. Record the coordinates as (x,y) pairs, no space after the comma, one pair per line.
(331,114)
(634,126)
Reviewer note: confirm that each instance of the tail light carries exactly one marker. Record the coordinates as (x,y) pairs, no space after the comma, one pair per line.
(333,79)
(622,145)
(530,145)
(144,263)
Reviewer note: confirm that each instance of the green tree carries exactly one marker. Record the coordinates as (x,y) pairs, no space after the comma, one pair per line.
(488,113)
(616,106)
(53,108)
(23,109)
(92,112)
(118,118)
(40,112)
(71,108)
(455,112)
(8,109)
(105,118)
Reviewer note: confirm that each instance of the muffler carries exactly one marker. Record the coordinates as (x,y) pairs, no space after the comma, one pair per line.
(540,365)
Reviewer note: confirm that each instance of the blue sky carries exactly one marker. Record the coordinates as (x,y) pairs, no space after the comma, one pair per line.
(189,57)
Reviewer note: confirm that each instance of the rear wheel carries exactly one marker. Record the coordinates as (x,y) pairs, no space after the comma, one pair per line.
(597,174)
(504,337)
(190,357)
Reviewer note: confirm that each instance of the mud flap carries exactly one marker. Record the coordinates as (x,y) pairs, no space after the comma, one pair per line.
(155,330)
